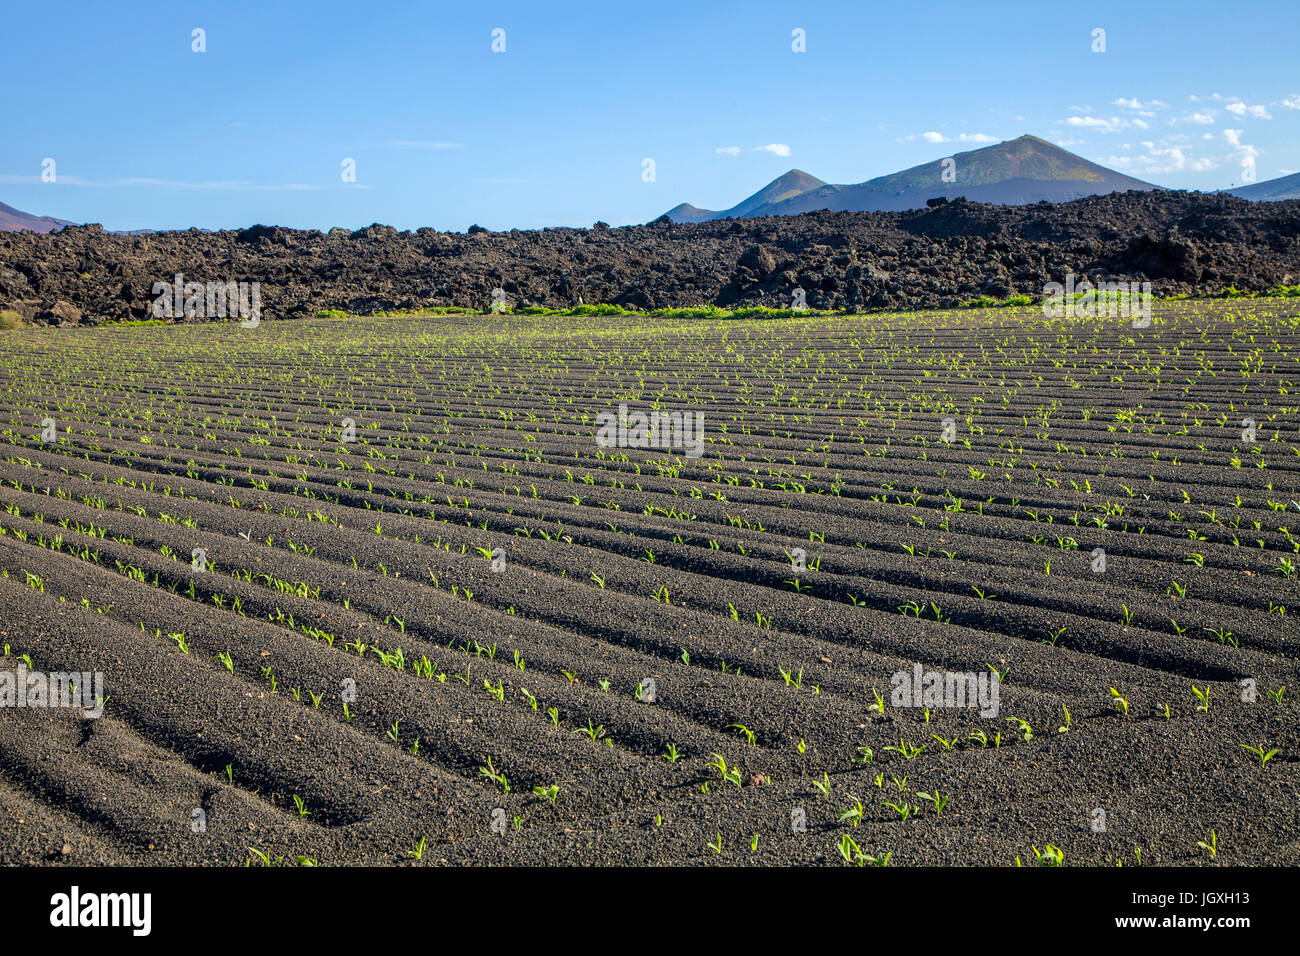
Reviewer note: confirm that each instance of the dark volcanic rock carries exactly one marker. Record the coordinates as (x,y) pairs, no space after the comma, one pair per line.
(757,259)
(58,313)
(1173,257)
(926,258)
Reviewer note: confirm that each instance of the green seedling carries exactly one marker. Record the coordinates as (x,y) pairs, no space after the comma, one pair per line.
(1264,757)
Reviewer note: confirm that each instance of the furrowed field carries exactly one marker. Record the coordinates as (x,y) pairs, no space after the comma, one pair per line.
(370,591)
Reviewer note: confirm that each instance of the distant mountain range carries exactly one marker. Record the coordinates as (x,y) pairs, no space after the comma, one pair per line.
(15,220)
(1015,172)
(1012,173)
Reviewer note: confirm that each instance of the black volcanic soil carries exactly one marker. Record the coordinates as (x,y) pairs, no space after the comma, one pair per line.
(934,258)
(822,432)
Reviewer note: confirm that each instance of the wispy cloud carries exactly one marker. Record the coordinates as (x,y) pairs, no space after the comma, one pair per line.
(776,149)
(728,150)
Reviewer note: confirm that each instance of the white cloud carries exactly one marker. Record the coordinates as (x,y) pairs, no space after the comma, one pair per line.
(1292,102)
(1254,111)
(1158,160)
(1242,153)
(1112,125)
(1200,117)
(728,150)
(1239,107)
(1133,103)
(776,149)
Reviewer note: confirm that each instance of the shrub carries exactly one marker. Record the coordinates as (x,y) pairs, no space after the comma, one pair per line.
(988,302)
(602,309)
(10,319)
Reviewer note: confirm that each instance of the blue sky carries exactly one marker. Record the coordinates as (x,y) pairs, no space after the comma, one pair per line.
(146,133)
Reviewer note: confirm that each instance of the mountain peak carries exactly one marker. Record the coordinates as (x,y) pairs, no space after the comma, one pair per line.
(788,185)
(798,175)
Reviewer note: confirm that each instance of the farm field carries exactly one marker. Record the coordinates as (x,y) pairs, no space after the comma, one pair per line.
(433,620)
